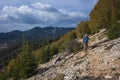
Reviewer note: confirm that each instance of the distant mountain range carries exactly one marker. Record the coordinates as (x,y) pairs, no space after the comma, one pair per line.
(37,33)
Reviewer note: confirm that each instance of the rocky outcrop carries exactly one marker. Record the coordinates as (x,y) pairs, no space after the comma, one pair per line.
(101,62)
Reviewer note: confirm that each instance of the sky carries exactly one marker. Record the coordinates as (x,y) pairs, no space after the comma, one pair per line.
(26,14)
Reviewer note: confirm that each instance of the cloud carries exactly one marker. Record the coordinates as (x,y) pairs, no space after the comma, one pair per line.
(38,14)
(39,5)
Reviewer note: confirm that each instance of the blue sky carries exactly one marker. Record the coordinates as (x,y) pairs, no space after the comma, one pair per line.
(26,14)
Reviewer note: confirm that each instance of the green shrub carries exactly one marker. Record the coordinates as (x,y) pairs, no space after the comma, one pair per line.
(71,46)
(10,68)
(44,54)
(114,31)
(53,50)
(62,48)
(47,52)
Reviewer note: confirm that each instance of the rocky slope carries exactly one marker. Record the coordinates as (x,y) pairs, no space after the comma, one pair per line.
(101,62)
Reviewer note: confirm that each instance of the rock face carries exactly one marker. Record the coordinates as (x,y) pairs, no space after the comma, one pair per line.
(101,62)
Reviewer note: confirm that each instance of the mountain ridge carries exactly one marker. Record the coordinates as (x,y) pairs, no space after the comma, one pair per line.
(36,33)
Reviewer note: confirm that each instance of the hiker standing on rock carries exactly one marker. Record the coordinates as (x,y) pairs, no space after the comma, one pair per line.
(85,42)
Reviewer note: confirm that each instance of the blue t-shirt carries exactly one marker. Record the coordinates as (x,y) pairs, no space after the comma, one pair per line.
(85,39)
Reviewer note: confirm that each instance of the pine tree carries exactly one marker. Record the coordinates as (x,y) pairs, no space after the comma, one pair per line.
(26,62)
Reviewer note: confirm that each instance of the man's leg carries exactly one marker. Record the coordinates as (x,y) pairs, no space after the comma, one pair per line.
(85,47)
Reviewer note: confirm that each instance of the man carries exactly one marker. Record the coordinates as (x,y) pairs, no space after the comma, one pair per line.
(85,42)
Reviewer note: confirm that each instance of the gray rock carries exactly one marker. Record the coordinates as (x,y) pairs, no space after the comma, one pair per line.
(108,77)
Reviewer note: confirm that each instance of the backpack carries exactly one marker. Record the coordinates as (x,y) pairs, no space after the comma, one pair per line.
(85,39)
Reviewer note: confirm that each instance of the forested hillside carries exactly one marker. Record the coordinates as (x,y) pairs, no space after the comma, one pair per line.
(11,42)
